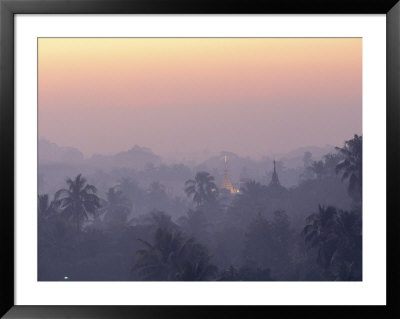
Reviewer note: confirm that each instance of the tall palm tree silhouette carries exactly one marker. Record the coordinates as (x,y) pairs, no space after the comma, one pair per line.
(351,165)
(202,188)
(320,232)
(78,201)
(337,236)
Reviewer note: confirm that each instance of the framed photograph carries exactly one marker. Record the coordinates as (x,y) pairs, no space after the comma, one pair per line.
(186,159)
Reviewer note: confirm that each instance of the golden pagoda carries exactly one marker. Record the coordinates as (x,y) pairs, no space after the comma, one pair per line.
(226,181)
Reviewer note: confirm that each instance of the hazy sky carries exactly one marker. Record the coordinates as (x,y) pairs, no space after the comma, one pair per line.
(251,96)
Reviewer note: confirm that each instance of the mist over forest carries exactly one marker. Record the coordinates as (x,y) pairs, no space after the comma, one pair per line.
(136,216)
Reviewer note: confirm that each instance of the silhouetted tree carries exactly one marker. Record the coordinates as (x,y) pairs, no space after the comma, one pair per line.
(45,207)
(78,201)
(193,262)
(307,163)
(326,167)
(317,168)
(337,237)
(347,259)
(267,244)
(248,234)
(202,188)
(117,208)
(134,193)
(320,233)
(194,223)
(331,160)
(173,257)
(159,219)
(351,165)
(252,200)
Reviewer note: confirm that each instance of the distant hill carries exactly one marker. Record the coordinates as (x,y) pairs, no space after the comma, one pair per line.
(137,157)
(51,153)
(140,157)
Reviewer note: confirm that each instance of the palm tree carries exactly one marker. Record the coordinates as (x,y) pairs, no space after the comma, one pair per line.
(348,254)
(154,262)
(330,162)
(317,168)
(45,207)
(320,232)
(351,165)
(117,207)
(159,219)
(193,263)
(337,235)
(173,257)
(202,188)
(78,200)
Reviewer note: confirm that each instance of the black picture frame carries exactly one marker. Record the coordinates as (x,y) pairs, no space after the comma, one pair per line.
(8,8)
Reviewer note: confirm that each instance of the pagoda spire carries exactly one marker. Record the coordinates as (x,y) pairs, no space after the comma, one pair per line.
(274,179)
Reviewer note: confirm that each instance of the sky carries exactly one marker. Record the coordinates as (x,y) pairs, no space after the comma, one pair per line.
(182,96)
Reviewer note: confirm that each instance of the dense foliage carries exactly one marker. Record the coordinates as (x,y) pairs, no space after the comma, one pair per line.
(264,232)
